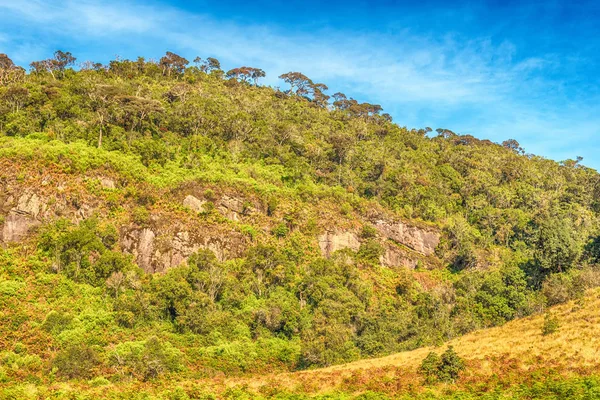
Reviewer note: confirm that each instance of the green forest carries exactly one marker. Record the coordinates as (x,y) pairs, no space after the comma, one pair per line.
(518,232)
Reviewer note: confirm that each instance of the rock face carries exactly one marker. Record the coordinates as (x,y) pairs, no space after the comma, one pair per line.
(233,208)
(22,217)
(155,253)
(393,257)
(331,242)
(107,183)
(194,203)
(16,226)
(418,239)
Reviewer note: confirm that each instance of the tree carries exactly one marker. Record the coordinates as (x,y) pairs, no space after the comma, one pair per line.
(558,245)
(446,368)
(451,365)
(208,65)
(256,74)
(513,145)
(207,275)
(62,60)
(445,133)
(429,367)
(76,361)
(102,99)
(146,360)
(16,97)
(115,281)
(92,66)
(56,66)
(299,83)
(9,72)
(353,107)
(135,110)
(267,266)
(246,74)
(173,63)
(319,96)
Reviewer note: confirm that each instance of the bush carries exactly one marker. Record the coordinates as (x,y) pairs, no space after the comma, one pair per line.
(551,324)
(370,251)
(368,232)
(562,287)
(141,216)
(146,360)
(429,367)
(56,322)
(451,366)
(446,368)
(280,230)
(76,361)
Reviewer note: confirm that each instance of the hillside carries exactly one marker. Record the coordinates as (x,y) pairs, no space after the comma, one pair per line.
(162,223)
(508,359)
(513,361)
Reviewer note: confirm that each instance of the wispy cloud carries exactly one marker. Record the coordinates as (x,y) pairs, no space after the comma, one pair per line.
(471,84)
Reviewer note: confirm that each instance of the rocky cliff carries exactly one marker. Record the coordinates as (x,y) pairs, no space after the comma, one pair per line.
(179,222)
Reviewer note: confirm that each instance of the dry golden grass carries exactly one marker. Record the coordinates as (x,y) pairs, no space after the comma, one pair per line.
(511,353)
(497,358)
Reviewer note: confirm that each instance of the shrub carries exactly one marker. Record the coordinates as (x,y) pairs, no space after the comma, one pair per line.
(446,368)
(146,360)
(562,287)
(368,232)
(209,195)
(429,367)
(451,366)
(370,251)
(141,216)
(280,230)
(272,204)
(56,322)
(99,381)
(551,324)
(76,361)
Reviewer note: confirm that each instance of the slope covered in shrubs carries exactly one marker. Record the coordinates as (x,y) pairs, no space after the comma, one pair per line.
(518,232)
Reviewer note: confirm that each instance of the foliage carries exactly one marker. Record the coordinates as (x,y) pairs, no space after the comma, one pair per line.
(76,361)
(147,360)
(518,231)
(446,368)
(551,324)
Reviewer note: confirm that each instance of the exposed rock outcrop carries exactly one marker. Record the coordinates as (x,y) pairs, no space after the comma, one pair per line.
(22,217)
(107,183)
(331,242)
(16,226)
(233,208)
(394,257)
(415,239)
(421,240)
(194,203)
(154,253)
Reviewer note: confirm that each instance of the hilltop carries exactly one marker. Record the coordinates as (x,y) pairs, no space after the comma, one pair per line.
(162,222)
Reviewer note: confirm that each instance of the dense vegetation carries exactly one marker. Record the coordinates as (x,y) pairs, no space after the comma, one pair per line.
(519,231)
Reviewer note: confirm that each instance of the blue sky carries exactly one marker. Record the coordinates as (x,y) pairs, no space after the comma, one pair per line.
(527,70)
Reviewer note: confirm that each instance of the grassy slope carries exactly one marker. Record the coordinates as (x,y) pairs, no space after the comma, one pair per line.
(512,361)
(515,349)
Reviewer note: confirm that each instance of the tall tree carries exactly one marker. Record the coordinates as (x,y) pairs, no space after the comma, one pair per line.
(9,72)
(246,74)
(173,63)
(318,94)
(208,65)
(56,66)
(299,83)
(102,98)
